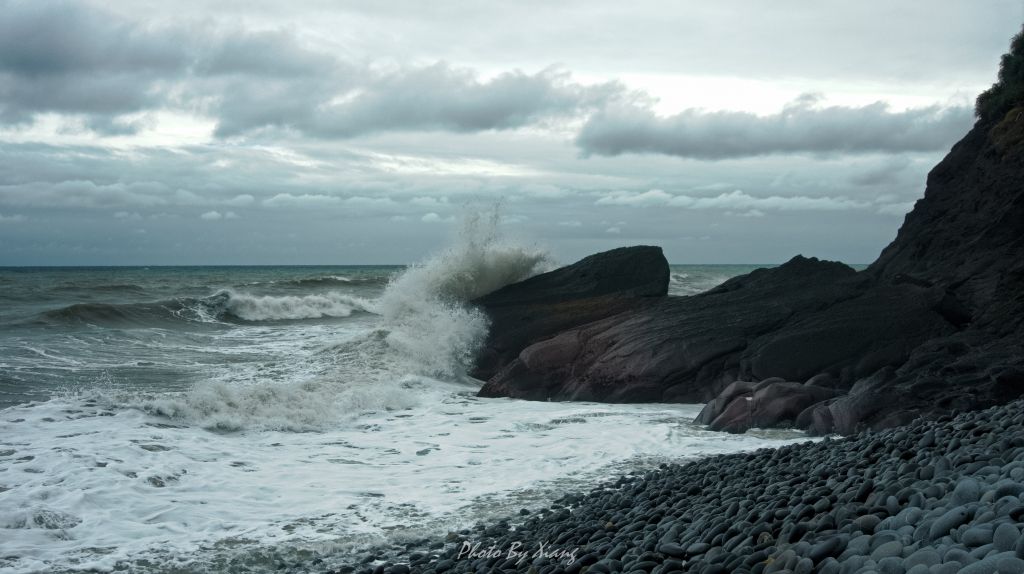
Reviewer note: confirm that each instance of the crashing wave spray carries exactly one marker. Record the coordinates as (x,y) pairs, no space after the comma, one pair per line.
(425,309)
(427,328)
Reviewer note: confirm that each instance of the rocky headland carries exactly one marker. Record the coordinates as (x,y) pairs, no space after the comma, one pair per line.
(933,327)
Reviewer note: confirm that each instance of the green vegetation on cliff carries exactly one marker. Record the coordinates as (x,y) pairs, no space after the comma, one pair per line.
(1008,91)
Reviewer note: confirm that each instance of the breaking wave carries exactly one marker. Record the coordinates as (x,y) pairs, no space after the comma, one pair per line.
(225,305)
(290,307)
(427,337)
(426,308)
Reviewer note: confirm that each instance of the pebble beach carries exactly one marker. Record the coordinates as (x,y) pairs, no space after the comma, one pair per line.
(941,496)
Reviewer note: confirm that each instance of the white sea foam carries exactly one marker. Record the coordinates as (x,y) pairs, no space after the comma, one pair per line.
(331,386)
(275,308)
(90,487)
(425,308)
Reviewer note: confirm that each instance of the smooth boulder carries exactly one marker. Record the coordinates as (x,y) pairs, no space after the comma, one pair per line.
(775,405)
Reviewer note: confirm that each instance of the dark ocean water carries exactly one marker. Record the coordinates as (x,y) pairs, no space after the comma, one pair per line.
(160,328)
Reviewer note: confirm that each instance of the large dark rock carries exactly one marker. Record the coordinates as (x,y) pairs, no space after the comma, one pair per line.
(853,337)
(593,288)
(657,352)
(935,325)
(772,322)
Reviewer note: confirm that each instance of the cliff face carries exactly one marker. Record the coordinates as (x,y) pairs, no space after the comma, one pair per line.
(935,325)
(965,239)
(967,233)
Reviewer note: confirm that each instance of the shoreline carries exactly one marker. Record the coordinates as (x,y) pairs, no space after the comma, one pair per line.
(942,496)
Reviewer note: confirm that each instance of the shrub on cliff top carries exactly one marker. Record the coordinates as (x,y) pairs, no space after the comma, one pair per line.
(1008,91)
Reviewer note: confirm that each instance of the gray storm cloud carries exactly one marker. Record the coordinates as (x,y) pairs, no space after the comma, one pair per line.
(803,126)
(435,97)
(69,58)
(74,59)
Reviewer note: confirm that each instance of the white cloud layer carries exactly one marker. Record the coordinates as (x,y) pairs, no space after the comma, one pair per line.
(733,200)
(803,126)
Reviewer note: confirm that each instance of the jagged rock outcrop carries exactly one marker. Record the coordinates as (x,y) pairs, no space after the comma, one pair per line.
(935,325)
(795,321)
(593,288)
(962,247)
(675,348)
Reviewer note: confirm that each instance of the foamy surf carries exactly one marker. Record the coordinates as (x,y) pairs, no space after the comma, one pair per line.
(102,488)
(226,305)
(290,307)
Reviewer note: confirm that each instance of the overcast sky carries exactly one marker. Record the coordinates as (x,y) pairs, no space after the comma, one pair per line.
(321,131)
